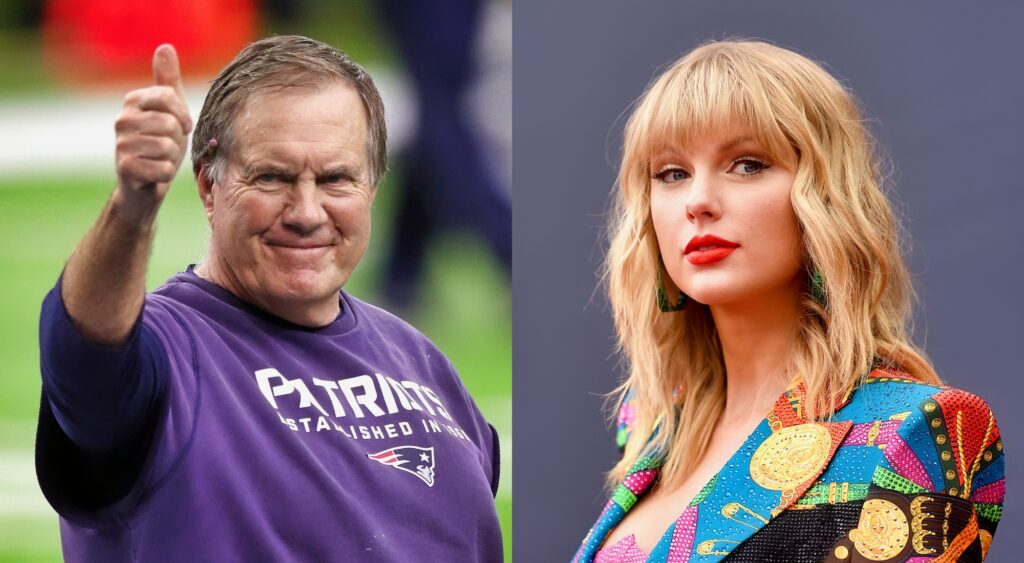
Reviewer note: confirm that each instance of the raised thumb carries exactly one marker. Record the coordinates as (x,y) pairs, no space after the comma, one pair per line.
(166,70)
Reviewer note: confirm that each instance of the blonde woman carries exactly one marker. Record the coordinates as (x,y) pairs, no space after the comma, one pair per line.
(775,408)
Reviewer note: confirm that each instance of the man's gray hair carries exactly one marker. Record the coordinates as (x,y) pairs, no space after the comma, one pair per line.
(276,62)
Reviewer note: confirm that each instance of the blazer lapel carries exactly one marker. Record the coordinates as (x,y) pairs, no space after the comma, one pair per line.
(775,466)
(637,482)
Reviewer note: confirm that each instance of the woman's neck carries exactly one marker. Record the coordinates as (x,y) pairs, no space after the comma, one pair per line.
(757,338)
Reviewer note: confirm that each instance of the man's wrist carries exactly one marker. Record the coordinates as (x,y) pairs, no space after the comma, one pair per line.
(135,209)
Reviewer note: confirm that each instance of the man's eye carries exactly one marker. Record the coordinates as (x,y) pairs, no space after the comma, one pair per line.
(672,175)
(333,179)
(267,178)
(749,166)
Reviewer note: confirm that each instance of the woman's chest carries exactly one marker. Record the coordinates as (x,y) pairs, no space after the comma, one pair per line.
(658,509)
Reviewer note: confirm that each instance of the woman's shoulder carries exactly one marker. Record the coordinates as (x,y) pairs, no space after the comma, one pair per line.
(887,394)
(936,442)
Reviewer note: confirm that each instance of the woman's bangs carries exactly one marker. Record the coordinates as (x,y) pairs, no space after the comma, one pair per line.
(707,100)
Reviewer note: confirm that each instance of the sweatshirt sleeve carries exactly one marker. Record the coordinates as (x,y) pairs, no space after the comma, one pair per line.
(97,411)
(99,395)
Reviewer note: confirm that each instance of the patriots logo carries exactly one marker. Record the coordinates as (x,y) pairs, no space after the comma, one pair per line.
(411,459)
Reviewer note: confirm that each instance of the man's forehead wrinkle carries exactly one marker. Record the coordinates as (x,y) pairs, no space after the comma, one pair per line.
(265,144)
(262,130)
(275,152)
(337,163)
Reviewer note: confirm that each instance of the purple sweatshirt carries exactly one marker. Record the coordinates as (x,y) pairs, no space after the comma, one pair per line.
(219,432)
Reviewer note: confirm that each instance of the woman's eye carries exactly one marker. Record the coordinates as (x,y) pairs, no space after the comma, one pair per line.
(672,175)
(749,166)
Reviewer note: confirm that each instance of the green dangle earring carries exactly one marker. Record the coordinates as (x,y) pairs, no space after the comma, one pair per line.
(818,288)
(663,302)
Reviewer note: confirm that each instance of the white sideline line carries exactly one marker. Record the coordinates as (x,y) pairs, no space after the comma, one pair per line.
(19,490)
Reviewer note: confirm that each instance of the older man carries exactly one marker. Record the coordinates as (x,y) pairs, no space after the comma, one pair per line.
(248,409)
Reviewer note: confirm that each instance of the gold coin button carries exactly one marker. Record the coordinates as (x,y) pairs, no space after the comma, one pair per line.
(882,532)
(842,552)
(937,422)
(790,456)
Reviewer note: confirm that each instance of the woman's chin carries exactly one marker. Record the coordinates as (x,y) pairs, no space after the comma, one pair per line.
(713,296)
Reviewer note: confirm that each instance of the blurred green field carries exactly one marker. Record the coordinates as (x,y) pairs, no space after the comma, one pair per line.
(466,311)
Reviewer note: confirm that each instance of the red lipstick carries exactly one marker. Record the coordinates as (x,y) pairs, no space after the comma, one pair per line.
(708,249)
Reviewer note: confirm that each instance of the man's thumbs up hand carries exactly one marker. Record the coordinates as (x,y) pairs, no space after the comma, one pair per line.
(152,131)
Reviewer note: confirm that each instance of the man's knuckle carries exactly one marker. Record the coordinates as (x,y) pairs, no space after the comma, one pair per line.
(169,123)
(166,95)
(168,146)
(167,170)
(127,120)
(148,170)
(126,142)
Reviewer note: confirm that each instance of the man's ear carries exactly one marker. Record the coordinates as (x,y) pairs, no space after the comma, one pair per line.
(205,185)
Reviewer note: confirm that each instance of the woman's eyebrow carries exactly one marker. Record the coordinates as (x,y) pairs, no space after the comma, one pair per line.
(666,155)
(733,143)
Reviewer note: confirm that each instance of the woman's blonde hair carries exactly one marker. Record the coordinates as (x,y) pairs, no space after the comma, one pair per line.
(792,107)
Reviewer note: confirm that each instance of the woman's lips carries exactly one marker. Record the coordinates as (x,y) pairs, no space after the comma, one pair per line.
(709,256)
(708,249)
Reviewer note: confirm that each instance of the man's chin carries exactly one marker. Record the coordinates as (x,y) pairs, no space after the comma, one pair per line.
(301,294)
(305,286)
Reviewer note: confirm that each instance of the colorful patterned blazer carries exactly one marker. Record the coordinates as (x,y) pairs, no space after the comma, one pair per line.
(904,471)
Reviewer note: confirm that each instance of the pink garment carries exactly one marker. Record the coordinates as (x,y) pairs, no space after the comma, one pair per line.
(622,551)
(627,551)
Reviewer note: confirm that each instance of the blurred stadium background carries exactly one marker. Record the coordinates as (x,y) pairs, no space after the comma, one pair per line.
(64,72)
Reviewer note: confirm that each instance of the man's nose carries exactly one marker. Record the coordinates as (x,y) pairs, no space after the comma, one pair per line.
(305,211)
(702,200)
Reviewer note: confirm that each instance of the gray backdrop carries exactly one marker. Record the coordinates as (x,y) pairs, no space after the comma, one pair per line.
(943,86)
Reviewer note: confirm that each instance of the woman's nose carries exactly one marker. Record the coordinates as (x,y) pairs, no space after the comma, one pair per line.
(702,198)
